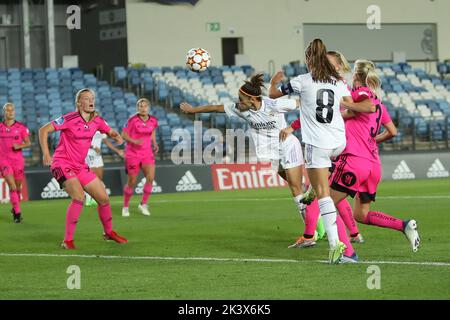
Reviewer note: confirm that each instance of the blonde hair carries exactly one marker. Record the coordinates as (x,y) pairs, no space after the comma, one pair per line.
(341,60)
(142,100)
(366,74)
(7,105)
(78,95)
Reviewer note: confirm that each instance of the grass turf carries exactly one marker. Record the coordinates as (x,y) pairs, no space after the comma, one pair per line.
(249,224)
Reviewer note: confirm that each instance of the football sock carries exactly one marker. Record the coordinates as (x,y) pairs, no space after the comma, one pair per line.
(346,213)
(383,220)
(73,212)
(127,193)
(328,213)
(147,192)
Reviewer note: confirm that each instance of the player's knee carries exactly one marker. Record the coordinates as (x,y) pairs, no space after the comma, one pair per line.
(103,200)
(79,197)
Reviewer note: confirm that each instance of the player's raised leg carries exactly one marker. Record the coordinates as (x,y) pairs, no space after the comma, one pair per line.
(408,227)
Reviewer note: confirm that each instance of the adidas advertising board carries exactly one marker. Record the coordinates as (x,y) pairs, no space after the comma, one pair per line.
(42,185)
(406,166)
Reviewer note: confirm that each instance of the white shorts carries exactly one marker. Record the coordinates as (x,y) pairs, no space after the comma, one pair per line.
(94,161)
(291,154)
(316,157)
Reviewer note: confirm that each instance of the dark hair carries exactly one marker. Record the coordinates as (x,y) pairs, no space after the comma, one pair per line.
(320,67)
(253,87)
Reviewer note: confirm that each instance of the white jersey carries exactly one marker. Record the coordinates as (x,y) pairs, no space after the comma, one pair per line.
(266,124)
(96,143)
(322,123)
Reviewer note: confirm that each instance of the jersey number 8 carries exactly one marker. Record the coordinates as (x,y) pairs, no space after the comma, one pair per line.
(321,105)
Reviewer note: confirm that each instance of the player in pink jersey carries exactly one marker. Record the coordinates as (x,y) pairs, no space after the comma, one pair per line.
(140,135)
(14,136)
(358,170)
(68,164)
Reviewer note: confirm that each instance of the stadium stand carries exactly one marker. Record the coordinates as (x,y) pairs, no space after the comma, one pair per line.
(419,102)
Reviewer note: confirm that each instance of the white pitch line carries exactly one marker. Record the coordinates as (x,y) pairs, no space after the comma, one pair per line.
(256,260)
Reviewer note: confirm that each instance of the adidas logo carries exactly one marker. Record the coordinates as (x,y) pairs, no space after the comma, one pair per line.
(437,170)
(52,190)
(403,172)
(140,187)
(188,183)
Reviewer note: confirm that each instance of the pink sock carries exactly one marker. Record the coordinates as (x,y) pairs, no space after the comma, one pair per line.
(311,217)
(127,193)
(147,192)
(343,237)
(15,202)
(346,213)
(105,215)
(73,212)
(383,220)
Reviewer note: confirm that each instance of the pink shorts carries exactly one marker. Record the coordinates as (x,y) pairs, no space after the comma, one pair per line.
(15,168)
(64,171)
(354,175)
(133,164)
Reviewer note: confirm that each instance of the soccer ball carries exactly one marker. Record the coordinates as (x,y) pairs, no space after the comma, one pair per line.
(198,59)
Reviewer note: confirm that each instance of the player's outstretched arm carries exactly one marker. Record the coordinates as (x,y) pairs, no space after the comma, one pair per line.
(187,108)
(113,134)
(389,132)
(364,106)
(273,90)
(43,141)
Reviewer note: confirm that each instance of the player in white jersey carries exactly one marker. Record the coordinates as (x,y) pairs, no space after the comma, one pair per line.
(94,159)
(323,130)
(266,118)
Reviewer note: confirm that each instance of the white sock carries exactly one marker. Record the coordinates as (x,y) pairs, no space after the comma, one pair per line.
(328,213)
(301,207)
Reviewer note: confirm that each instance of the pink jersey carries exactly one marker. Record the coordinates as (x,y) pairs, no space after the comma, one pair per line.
(362,129)
(139,129)
(76,137)
(9,136)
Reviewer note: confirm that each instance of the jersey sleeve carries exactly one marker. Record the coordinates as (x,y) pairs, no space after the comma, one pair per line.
(126,128)
(385,116)
(361,93)
(231,110)
(60,123)
(285,105)
(295,85)
(296,124)
(25,132)
(103,126)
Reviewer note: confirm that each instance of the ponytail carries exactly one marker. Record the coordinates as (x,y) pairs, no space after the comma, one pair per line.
(319,66)
(366,74)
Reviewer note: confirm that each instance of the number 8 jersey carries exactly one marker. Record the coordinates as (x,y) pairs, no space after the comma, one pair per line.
(320,116)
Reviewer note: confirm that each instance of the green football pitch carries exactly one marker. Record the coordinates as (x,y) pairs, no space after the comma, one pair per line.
(227,245)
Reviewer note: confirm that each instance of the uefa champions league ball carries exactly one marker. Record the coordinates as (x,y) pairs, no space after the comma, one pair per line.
(198,59)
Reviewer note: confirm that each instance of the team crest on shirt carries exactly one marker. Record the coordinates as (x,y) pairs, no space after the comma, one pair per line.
(349,179)
(86,126)
(60,120)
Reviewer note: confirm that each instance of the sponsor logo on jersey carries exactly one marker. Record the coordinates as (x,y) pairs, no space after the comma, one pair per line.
(60,120)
